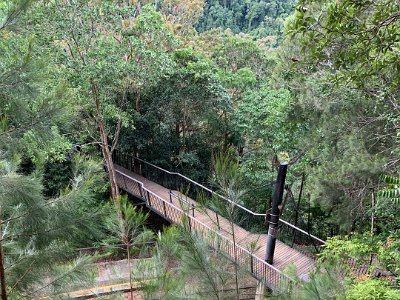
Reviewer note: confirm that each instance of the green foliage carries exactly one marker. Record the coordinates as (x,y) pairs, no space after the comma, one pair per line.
(30,100)
(339,250)
(346,112)
(320,284)
(41,233)
(262,117)
(234,53)
(364,250)
(392,190)
(226,173)
(180,116)
(372,289)
(366,32)
(102,65)
(70,68)
(56,176)
(187,268)
(130,231)
(261,18)
(324,284)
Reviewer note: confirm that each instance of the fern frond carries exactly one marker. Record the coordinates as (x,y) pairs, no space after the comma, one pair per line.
(392,190)
(392,180)
(389,193)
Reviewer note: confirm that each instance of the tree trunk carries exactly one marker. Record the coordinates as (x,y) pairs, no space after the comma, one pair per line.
(105,148)
(137,102)
(177,130)
(372,212)
(184,136)
(107,156)
(2,273)
(112,177)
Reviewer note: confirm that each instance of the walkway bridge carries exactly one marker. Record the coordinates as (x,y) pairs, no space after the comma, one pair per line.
(242,242)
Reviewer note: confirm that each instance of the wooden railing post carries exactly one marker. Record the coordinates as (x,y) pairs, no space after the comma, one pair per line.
(140,189)
(165,212)
(124,182)
(148,197)
(251,264)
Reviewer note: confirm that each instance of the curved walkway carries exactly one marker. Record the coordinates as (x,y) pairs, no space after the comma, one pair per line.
(249,249)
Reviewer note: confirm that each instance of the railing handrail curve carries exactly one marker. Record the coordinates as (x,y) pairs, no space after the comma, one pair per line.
(202,186)
(302,231)
(228,200)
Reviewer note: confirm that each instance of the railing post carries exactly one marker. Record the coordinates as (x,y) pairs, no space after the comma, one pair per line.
(219,227)
(165,211)
(140,189)
(148,197)
(190,223)
(274,215)
(134,164)
(170,196)
(125,182)
(251,264)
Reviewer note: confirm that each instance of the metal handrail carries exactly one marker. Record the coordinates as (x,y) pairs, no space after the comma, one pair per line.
(228,200)
(302,231)
(203,187)
(206,226)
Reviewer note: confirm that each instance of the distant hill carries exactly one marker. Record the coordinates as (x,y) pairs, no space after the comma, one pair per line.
(258,17)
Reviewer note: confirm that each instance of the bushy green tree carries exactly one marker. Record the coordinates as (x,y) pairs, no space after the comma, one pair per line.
(129,233)
(38,235)
(181,116)
(186,268)
(372,289)
(90,47)
(343,103)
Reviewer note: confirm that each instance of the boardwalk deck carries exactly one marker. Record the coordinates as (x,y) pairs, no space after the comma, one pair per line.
(204,221)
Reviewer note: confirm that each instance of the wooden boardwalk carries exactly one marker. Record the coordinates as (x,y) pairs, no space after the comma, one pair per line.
(217,231)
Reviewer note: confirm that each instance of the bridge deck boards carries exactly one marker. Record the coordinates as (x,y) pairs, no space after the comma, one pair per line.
(284,255)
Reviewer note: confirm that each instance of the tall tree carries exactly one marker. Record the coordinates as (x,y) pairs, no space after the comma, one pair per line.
(35,233)
(92,52)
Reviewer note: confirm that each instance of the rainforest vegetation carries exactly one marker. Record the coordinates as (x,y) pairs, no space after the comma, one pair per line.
(176,83)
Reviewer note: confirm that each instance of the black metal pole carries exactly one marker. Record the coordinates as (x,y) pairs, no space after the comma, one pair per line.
(274,215)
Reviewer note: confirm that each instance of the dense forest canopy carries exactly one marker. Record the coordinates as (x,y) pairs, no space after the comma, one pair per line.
(259,18)
(177,83)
